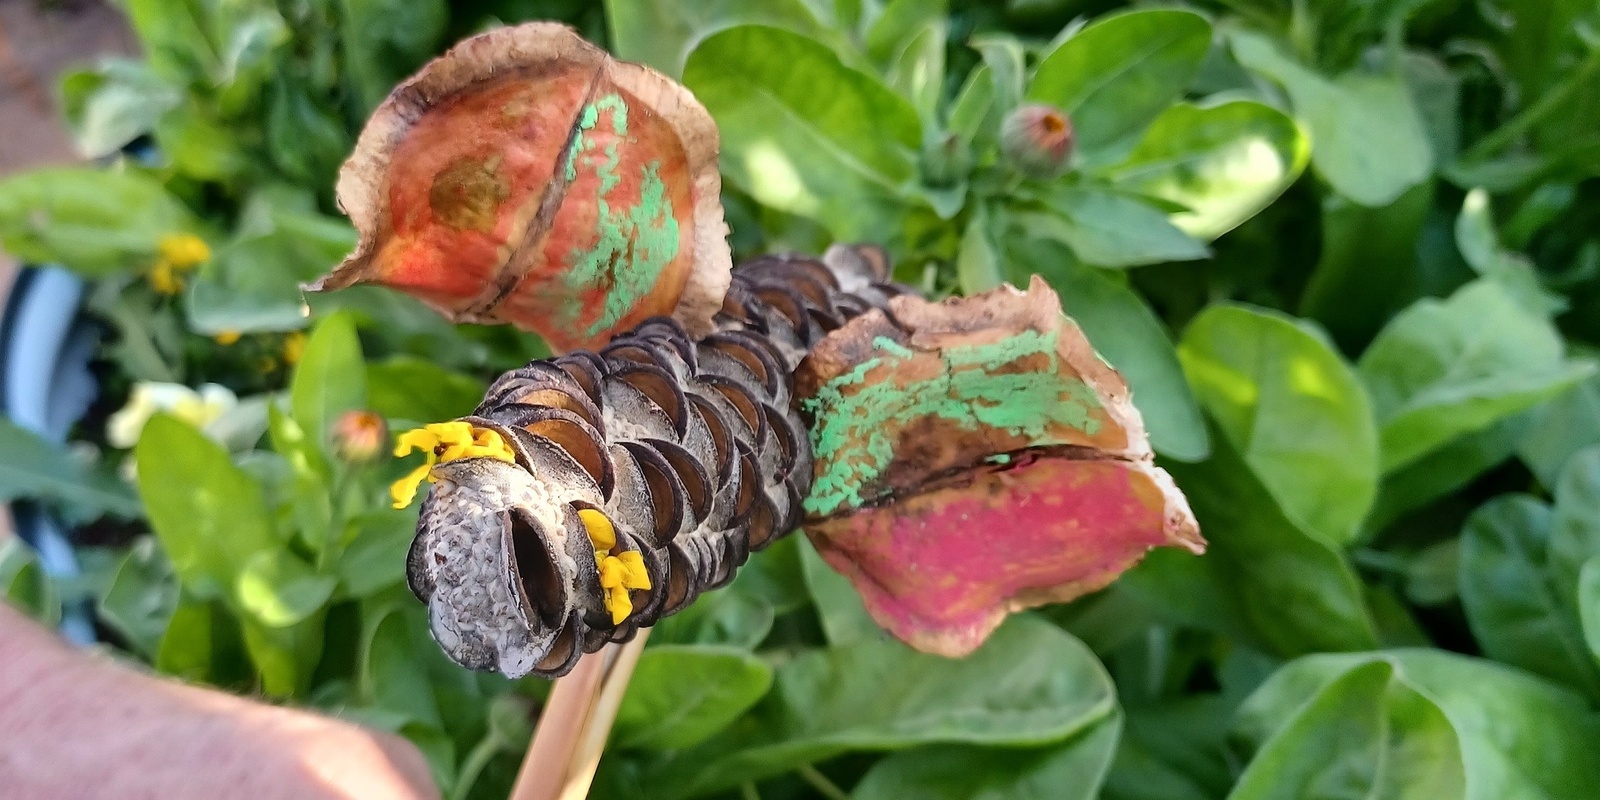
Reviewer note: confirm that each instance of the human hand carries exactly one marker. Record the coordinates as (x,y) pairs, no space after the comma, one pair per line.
(73,725)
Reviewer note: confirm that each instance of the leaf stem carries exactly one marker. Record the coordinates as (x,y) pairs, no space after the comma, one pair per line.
(820,782)
(1555,99)
(484,750)
(747,791)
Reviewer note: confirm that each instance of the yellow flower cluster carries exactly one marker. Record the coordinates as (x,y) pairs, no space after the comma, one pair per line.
(178,253)
(444,442)
(619,572)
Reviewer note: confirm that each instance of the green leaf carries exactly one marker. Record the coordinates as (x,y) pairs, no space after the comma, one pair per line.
(1369,266)
(208,514)
(375,559)
(1263,577)
(1293,408)
(1128,334)
(306,140)
(1444,470)
(917,71)
(24,584)
(278,589)
(1480,246)
(662,33)
(142,597)
(1560,428)
(1364,736)
(199,146)
(840,156)
(1007,62)
(1108,229)
(1119,72)
(284,657)
(330,378)
(731,616)
(1030,684)
(418,390)
(898,25)
(389,673)
(1589,605)
(384,41)
(1446,368)
(1517,609)
(1368,141)
(92,221)
(113,104)
(253,282)
(1519,736)
(682,694)
(203,643)
(1576,533)
(977,263)
(1224,162)
(173,39)
(843,615)
(1073,770)
(35,469)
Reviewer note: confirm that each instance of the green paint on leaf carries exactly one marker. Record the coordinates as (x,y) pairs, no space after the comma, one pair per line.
(856,420)
(634,243)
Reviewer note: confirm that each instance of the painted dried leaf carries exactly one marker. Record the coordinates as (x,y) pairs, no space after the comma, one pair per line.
(526,177)
(976,457)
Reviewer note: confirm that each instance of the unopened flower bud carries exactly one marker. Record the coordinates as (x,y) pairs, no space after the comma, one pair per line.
(946,160)
(1037,140)
(359,436)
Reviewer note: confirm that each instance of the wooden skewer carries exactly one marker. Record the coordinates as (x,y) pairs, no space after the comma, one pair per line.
(576,721)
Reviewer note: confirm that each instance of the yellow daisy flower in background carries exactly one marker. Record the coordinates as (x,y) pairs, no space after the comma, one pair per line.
(178,253)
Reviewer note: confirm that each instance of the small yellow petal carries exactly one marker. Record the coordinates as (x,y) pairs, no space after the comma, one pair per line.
(164,279)
(226,338)
(601,532)
(183,250)
(403,491)
(634,575)
(420,439)
(620,605)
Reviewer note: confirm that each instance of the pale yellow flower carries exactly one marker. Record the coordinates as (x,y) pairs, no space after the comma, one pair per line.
(226,338)
(198,408)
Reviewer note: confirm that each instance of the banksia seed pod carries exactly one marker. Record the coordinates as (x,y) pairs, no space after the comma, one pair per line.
(639,476)
(1037,140)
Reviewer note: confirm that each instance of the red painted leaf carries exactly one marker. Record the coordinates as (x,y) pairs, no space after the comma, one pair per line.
(526,177)
(976,457)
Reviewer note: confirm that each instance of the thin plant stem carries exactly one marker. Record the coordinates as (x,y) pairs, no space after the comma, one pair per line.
(747,791)
(820,782)
(473,766)
(1524,121)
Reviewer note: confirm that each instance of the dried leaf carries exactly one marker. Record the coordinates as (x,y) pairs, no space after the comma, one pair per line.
(526,177)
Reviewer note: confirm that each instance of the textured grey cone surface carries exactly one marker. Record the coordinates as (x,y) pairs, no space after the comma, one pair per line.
(692,449)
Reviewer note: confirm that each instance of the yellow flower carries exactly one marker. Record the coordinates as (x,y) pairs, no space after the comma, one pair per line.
(226,338)
(178,253)
(443,442)
(294,346)
(164,279)
(618,573)
(183,250)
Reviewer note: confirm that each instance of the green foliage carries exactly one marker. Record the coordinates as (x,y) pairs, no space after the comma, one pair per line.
(1344,253)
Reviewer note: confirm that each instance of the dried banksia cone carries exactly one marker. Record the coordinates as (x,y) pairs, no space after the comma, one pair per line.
(1037,140)
(976,457)
(526,177)
(595,492)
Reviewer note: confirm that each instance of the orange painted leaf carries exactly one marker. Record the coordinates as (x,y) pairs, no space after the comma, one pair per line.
(976,457)
(526,177)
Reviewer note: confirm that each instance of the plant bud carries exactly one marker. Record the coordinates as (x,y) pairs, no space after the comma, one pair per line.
(946,160)
(359,436)
(1037,140)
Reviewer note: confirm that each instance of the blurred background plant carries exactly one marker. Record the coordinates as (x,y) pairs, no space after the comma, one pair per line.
(1345,252)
